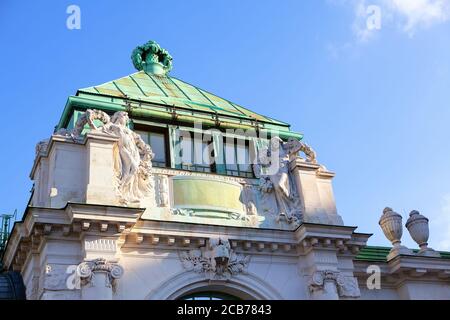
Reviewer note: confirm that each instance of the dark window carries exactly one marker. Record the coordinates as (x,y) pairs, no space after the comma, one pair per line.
(194,154)
(237,156)
(158,142)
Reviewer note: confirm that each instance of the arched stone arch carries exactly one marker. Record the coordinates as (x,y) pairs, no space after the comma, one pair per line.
(246,286)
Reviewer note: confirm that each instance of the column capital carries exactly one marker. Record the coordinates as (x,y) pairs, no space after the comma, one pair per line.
(332,284)
(88,269)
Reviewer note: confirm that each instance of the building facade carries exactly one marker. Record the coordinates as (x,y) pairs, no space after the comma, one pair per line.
(153,188)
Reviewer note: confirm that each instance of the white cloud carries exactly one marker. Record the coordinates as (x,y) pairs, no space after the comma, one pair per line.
(408,15)
(414,14)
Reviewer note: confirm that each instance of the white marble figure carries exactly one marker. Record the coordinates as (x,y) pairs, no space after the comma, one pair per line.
(132,162)
(133,165)
(278,181)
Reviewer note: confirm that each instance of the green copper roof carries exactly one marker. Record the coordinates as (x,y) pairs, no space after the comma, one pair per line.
(379,254)
(167,90)
(151,94)
(373,254)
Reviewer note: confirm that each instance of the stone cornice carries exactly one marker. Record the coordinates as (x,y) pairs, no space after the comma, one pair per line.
(320,170)
(342,238)
(407,267)
(173,235)
(124,223)
(419,264)
(73,218)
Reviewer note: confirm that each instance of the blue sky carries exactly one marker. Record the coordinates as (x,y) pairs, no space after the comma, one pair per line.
(372,103)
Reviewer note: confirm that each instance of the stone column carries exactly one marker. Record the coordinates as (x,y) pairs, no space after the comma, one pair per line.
(326,260)
(98,279)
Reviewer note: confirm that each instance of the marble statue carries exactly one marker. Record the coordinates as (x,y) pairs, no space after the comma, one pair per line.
(277,186)
(132,161)
(133,165)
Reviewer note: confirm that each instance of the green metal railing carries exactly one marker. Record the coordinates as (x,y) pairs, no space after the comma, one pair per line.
(5,220)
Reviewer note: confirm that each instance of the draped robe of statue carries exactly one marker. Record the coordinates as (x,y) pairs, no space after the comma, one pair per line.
(133,163)
(278,183)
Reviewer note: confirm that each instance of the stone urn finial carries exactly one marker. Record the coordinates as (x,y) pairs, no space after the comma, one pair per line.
(391,224)
(418,228)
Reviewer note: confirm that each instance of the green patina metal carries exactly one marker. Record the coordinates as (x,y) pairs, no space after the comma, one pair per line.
(5,229)
(379,254)
(151,94)
(150,57)
(373,254)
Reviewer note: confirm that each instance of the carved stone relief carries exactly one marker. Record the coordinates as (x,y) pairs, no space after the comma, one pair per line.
(163,191)
(347,286)
(87,270)
(182,212)
(279,194)
(217,261)
(132,161)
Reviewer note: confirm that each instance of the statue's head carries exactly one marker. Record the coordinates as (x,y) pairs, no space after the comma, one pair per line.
(120,118)
(275,143)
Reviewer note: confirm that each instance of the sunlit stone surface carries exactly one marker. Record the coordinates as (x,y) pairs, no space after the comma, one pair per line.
(118,211)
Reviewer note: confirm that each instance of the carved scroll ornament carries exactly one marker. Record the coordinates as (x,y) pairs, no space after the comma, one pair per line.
(87,270)
(347,286)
